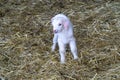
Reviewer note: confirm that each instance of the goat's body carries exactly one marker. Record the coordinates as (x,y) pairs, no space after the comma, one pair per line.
(64,37)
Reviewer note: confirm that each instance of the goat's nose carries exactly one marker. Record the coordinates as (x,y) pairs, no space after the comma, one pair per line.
(55,31)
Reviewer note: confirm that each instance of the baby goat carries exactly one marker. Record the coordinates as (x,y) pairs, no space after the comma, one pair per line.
(63,34)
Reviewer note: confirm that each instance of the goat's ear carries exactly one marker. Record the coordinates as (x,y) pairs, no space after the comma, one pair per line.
(66,24)
(52,19)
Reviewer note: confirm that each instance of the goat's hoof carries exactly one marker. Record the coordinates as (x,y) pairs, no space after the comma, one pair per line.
(62,62)
(76,58)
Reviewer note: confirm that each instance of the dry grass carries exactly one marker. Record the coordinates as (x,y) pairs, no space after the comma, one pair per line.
(26,39)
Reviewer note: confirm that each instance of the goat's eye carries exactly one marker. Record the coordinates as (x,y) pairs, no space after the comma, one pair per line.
(59,24)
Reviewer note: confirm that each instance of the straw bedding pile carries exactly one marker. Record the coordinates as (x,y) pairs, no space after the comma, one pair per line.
(26,39)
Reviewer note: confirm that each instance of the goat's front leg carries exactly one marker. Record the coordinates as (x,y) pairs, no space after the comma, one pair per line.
(55,40)
(62,51)
(53,46)
(73,48)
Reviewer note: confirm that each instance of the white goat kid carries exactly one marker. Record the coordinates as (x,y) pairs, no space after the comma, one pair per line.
(63,35)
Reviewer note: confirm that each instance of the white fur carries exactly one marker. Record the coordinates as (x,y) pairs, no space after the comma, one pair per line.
(63,36)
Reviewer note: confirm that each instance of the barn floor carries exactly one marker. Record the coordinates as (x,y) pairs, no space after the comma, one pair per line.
(26,39)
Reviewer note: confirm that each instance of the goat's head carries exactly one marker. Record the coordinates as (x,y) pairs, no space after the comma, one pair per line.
(59,24)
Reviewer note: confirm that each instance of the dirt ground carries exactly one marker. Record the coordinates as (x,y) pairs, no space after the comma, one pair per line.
(26,39)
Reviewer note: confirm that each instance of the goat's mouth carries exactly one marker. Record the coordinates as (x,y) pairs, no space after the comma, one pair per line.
(57,31)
